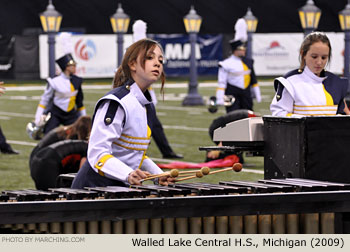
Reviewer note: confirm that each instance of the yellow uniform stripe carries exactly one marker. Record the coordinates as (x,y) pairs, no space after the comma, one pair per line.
(305,110)
(125,141)
(331,105)
(329,99)
(246,76)
(132,137)
(42,106)
(71,104)
(149,132)
(130,148)
(315,114)
(100,163)
(143,158)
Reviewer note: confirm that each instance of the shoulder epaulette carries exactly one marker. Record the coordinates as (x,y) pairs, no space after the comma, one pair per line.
(111,111)
(279,91)
(248,61)
(76,80)
(119,92)
(293,72)
(123,90)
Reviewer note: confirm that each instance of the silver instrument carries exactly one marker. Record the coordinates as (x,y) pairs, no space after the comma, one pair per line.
(213,106)
(36,132)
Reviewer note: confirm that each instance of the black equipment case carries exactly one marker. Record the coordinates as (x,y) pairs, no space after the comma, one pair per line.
(309,147)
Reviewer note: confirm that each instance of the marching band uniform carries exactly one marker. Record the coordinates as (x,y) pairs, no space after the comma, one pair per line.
(63,97)
(236,76)
(119,138)
(302,93)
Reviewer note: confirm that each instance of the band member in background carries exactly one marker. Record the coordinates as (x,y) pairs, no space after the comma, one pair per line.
(139,32)
(5,148)
(310,90)
(120,132)
(236,76)
(63,96)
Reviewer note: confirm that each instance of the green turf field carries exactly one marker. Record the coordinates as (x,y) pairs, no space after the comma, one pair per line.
(186,127)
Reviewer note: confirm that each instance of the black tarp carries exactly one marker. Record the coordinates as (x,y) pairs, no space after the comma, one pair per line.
(26,53)
(6,57)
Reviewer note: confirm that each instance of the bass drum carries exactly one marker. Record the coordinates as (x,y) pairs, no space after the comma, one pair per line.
(49,162)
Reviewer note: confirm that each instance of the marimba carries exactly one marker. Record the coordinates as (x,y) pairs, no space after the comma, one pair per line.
(265,206)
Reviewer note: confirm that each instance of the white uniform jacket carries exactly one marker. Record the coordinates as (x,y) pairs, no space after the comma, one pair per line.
(119,140)
(65,92)
(237,72)
(306,94)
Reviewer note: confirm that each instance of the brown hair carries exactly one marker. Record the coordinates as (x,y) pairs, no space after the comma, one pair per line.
(309,40)
(140,48)
(80,129)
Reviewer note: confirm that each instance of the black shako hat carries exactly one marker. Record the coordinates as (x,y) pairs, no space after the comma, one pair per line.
(66,60)
(237,44)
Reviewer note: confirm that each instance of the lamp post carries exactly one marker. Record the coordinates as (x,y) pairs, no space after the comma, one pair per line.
(344,19)
(252,23)
(309,16)
(192,23)
(120,23)
(51,22)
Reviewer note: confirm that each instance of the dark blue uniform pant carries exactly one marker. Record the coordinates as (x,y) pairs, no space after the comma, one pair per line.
(59,117)
(159,136)
(3,144)
(243,98)
(87,177)
(157,131)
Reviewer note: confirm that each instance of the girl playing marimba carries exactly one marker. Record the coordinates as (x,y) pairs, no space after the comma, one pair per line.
(120,134)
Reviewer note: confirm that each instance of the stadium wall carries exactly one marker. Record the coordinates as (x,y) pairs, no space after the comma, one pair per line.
(166,16)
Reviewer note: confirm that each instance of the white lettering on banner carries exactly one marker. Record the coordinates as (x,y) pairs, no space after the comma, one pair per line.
(186,63)
(173,51)
(187,51)
(178,51)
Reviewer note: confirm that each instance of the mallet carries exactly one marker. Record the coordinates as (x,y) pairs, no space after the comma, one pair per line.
(199,174)
(205,170)
(173,173)
(237,167)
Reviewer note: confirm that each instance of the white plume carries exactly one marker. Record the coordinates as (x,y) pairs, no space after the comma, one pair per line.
(139,29)
(65,42)
(241,30)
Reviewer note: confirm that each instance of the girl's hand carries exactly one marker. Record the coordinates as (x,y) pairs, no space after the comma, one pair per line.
(135,176)
(213,154)
(166,180)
